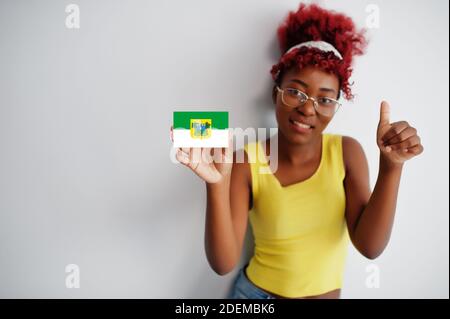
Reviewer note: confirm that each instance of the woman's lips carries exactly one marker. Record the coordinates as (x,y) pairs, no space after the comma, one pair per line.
(300,127)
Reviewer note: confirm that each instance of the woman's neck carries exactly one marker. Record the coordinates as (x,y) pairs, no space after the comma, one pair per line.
(297,154)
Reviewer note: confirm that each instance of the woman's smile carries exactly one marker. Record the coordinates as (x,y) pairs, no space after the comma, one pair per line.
(300,126)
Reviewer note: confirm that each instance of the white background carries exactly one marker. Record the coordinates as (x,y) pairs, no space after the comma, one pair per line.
(85,173)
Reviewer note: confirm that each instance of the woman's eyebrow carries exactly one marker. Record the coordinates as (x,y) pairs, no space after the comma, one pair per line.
(327,90)
(299,82)
(306,86)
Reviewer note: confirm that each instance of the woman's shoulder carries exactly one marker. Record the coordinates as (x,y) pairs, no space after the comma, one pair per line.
(241,165)
(347,142)
(352,151)
(350,144)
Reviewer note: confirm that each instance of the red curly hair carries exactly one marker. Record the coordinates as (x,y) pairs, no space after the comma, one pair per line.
(313,23)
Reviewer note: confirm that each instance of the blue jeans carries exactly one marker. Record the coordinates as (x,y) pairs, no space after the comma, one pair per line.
(243,288)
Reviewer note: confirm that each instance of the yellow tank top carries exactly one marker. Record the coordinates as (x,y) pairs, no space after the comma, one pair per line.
(300,232)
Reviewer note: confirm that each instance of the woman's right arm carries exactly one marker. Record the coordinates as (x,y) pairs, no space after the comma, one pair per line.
(228,191)
(227,206)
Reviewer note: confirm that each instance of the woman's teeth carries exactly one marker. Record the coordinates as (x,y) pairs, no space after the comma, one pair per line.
(301,124)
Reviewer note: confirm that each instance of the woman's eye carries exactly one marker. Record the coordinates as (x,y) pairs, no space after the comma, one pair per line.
(293,92)
(298,94)
(326,101)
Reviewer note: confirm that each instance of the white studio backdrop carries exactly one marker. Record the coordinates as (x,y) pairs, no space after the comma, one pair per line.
(85,172)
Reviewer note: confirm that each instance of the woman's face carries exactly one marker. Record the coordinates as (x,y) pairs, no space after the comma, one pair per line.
(315,83)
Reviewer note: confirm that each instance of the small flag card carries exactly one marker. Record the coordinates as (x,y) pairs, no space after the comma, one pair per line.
(200,129)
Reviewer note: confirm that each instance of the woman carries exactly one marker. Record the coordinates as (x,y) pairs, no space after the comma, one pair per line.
(304,214)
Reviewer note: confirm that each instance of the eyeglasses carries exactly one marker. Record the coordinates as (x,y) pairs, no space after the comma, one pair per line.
(325,106)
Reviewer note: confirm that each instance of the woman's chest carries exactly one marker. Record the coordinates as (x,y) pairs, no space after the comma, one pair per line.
(300,208)
(287,175)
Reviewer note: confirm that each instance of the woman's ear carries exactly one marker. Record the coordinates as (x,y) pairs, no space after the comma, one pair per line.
(274,94)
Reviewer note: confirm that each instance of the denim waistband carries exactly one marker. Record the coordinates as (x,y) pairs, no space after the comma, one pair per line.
(243,288)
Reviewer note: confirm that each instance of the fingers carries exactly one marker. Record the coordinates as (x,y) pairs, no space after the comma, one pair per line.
(224,154)
(398,139)
(228,152)
(182,157)
(195,157)
(186,150)
(217,154)
(186,156)
(230,138)
(402,136)
(416,150)
(192,157)
(385,111)
(171,133)
(396,129)
(406,144)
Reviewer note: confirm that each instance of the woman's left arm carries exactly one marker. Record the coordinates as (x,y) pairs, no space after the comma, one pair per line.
(370,215)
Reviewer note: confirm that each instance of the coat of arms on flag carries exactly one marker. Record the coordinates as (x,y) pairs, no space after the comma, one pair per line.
(200,128)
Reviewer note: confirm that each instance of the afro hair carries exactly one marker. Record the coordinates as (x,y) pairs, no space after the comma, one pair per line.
(313,23)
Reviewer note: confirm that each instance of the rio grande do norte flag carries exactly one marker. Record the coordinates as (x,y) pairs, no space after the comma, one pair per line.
(200,129)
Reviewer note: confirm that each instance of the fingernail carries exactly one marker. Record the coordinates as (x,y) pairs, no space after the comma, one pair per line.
(388,149)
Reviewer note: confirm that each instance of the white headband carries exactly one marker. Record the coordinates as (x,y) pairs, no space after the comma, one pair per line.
(321,45)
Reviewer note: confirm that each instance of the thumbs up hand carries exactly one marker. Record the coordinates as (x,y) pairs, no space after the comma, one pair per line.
(398,141)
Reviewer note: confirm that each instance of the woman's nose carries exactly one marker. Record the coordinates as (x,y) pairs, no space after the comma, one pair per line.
(307,108)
